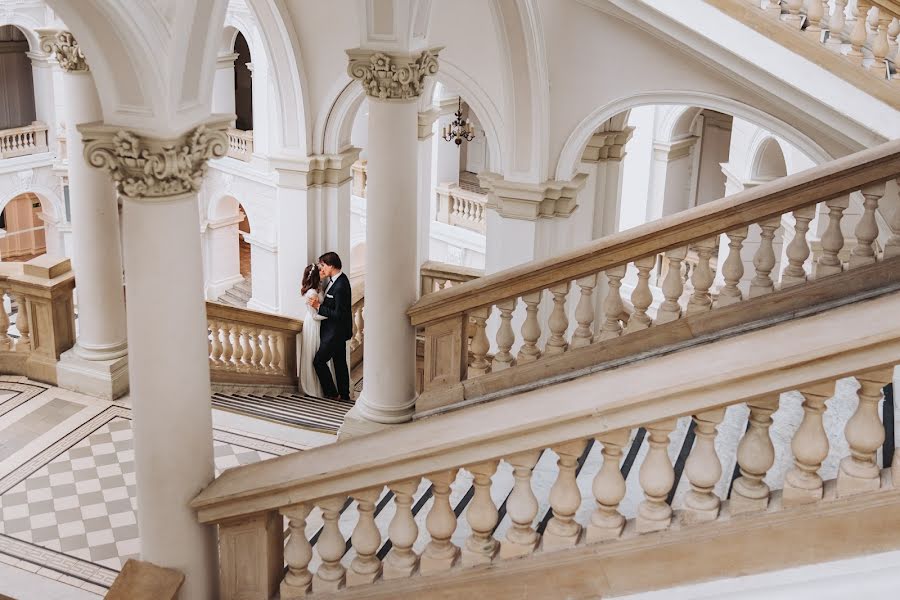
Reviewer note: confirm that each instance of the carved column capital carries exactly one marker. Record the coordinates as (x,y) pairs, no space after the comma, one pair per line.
(63,45)
(392,76)
(150,168)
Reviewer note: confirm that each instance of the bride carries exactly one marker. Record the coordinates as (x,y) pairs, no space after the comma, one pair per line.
(311,287)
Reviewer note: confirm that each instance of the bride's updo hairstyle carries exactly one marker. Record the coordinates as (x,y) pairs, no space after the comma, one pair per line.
(311,279)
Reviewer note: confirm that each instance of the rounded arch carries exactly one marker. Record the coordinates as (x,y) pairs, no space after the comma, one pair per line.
(679,123)
(223,207)
(51,203)
(27,26)
(768,159)
(574,147)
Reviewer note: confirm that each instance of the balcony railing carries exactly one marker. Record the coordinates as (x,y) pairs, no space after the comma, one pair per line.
(22,141)
(240,144)
(461,207)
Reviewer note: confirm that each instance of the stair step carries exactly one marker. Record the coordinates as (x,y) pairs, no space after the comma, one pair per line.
(296,410)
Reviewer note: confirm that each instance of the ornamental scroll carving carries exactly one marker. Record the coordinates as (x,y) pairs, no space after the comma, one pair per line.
(392,77)
(66,49)
(145,168)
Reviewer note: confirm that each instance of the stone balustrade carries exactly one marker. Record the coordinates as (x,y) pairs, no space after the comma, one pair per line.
(357,308)
(461,207)
(436,276)
(240,144)
(596,511)
(22,141)
(358,172)
(551,322)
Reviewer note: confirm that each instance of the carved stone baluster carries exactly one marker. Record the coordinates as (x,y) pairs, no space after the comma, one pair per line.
(836,25)
(504,359)
(584,312)
(480,343)
(531,329)
(859,34)
(365,567)
(880,46)
(215,352)
(641,297)
(833,239)
(672,287)
(237,352)
(565,499)
(354,343)
(609,489)
(246,351)
(793,15)
(481,547)
(5,342)
(864,432)
(402,561)
(802,484)
(703,469)
(359,321)
(297,554)
(733,268)
(656,477)
(265,340)
(798,249)
(330,575)
(702,277)
(892,246)
(227,347)
(764,259)
(814,15)
(256,363)
(612,304)
(24,342)
(893,31)
(558,321)
(275,341)
(440,554)
(522,507)
(755,456)
(867,228)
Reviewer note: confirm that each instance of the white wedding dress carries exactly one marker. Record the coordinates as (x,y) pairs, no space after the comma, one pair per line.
(309,345)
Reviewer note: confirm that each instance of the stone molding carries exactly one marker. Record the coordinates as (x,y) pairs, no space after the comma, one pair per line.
(63,45)
(226,61)
(426,122)
(327,170)
(392,76)
(607,145)
(150,168)
(529,201)
(674,150)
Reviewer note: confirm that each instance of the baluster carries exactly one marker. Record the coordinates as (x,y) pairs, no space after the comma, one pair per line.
(24,342)
(246,351)
(565,499)
(216,344)
(297,553)
(772,6)
(656,477)
(558,321)
(802,484)
(672,287)
(612,304)
(892,246)
(227,347)
(836,25)
(440,554)
(503,359)
(880,46)
(209,347)
(867,228)
(330,575)
(365,567)
(480,343)
(237,351)
(703,469)
(641,297)
(274,345)
(354,343)
(265,364)
(531,329)
(522,507)
(859,34)
(609,489)
(584,312)
(702,277)
(755,456)
(733,268)
(893,31)
(402,561)
(256,358)
(360,321)
(481,515)
(864,432)
(814,14)
(833,239)
(798,249)
(764,259)
(793,15)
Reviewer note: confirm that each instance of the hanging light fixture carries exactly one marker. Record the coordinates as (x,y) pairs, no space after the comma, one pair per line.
(459,129)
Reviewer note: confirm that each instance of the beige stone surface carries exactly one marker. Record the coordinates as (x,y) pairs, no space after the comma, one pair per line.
(140,580)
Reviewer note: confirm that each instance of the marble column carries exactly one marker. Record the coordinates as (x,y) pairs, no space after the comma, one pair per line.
(167,337)
(98,364)
(393,83)
(426,201)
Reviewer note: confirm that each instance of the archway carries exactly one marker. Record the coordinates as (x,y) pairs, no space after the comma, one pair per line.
(24,235)
(17,105)
(243,84)
(228,253)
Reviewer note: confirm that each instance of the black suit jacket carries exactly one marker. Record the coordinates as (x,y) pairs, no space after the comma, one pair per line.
(337,308)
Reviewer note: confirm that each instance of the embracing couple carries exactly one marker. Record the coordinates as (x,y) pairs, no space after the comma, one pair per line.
(327,328)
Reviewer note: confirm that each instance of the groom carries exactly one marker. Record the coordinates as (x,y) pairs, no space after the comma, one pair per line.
(336,329)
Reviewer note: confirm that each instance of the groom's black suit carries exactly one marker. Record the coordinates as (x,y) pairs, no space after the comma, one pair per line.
(335,330)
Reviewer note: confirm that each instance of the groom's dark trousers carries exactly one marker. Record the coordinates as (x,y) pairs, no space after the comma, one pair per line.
(335,330)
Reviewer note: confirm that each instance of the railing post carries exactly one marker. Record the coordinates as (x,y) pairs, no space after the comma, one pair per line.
(446,351)
(251,557)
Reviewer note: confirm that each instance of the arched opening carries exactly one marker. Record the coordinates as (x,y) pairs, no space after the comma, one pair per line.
(24,236)
(17,106)
(244,245)
(243,84)
(769,162)
(228,254)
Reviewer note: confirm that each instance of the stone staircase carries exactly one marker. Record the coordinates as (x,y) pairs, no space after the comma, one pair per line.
(296,409)
(238,295)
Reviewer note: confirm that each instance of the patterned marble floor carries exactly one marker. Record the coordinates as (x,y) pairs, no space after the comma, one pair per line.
(67,483)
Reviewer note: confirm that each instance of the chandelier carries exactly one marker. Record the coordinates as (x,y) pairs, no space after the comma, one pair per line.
(459,129)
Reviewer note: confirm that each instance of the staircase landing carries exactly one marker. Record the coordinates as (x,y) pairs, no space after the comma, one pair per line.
(238,296)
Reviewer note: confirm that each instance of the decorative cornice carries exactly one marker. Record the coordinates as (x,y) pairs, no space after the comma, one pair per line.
(669,151)
(607,145)
(529,201)
(150,168)
(327,170)
(63,45)
(426,121)
(226,61)
(392,76)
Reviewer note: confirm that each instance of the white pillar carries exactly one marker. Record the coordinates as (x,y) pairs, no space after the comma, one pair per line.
(222,255)
(167,336)
(426,198)
(44,104)
(98,364)
(223,85)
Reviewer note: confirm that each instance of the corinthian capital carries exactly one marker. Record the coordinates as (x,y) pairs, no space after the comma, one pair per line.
(392,76)
(149,168)
(65,47)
